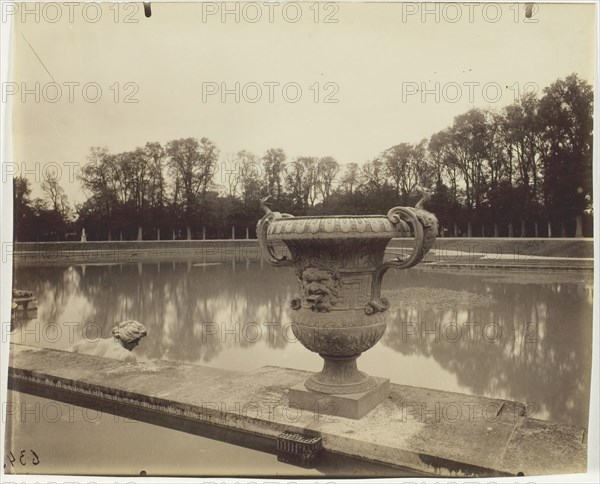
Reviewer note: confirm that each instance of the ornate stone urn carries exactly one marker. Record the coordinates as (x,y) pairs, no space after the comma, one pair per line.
(339,313)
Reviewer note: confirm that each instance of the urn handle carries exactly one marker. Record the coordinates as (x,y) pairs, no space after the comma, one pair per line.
(425,227)
(261,233)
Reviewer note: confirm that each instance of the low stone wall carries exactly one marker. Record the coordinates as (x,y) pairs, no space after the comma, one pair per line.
(499,252)
(427,431)
(519,247)
(135,251)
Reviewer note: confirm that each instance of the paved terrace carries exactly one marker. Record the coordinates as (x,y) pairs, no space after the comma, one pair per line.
(426,431)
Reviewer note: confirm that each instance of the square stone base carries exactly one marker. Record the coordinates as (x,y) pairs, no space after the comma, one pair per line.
(354,405)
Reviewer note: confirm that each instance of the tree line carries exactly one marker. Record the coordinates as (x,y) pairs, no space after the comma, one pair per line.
(523,170)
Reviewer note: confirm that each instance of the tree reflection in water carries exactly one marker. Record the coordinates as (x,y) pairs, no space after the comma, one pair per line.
(533,344)
(237,315)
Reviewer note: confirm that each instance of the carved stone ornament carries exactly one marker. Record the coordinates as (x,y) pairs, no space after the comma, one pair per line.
(339,263)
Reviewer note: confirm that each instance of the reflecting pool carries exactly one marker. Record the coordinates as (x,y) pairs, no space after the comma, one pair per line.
(524,336)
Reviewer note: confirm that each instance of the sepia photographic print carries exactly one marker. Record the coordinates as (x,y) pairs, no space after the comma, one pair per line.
(312,240)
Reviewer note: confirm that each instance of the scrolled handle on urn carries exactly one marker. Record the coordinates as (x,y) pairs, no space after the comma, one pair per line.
(425,227)
(262,229)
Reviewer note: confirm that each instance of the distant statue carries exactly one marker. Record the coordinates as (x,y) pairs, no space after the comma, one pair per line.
(83,236)
(21,293)
(126,336)
(23,298)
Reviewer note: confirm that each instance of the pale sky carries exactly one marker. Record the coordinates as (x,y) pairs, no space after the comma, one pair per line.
(375,56)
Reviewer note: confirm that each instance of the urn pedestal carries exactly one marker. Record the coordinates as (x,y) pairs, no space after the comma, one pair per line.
(339,312)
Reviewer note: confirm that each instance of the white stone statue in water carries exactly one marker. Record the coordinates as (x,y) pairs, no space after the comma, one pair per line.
(126,336)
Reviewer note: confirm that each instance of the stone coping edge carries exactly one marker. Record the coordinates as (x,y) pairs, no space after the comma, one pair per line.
(433,463)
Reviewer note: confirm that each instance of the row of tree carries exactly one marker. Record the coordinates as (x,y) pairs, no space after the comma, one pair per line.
(523,170)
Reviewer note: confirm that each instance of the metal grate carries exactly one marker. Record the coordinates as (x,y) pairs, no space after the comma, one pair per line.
(298,449)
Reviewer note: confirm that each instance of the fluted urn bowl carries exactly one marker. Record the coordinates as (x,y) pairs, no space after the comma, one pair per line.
(339,263)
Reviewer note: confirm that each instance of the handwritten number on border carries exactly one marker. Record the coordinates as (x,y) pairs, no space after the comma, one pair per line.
(26,457)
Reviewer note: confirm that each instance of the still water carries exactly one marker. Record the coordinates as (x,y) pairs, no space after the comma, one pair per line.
(524,336)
